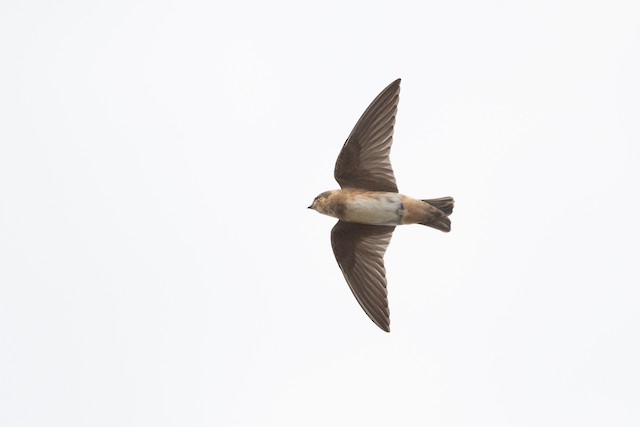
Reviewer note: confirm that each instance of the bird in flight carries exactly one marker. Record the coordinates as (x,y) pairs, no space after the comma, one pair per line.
(369,207)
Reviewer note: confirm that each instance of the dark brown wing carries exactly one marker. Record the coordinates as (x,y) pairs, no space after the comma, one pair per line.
(364,159)
(359,250)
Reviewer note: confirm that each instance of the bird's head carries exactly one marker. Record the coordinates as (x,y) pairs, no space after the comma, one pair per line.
(320,202)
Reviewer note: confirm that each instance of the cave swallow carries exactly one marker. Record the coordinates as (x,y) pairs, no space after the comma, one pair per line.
(369,207)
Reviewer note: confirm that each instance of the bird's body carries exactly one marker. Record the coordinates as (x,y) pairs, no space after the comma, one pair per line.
(369,206)
(375,207)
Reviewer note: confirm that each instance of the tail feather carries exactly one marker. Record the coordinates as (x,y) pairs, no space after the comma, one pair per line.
(445,204)
(442,224)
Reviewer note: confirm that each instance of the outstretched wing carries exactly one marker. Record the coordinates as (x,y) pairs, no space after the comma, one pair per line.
(359,250)
(364,159)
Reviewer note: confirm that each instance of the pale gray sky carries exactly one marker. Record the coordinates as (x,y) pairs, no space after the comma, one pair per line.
(158,265)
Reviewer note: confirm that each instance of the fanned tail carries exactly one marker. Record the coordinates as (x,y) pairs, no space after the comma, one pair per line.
(445,205)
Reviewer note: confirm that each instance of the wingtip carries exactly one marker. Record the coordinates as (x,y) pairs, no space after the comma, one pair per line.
(385,327)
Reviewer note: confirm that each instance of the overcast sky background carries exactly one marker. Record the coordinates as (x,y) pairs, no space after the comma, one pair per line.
(158,265)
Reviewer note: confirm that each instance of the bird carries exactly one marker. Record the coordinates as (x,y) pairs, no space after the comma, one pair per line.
(368,206)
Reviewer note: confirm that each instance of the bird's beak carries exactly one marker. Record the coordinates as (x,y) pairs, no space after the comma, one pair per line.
(310,207)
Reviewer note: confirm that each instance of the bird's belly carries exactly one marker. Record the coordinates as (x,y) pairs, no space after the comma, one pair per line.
(375,209)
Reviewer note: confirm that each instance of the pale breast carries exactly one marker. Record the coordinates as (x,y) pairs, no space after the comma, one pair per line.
(374,208)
